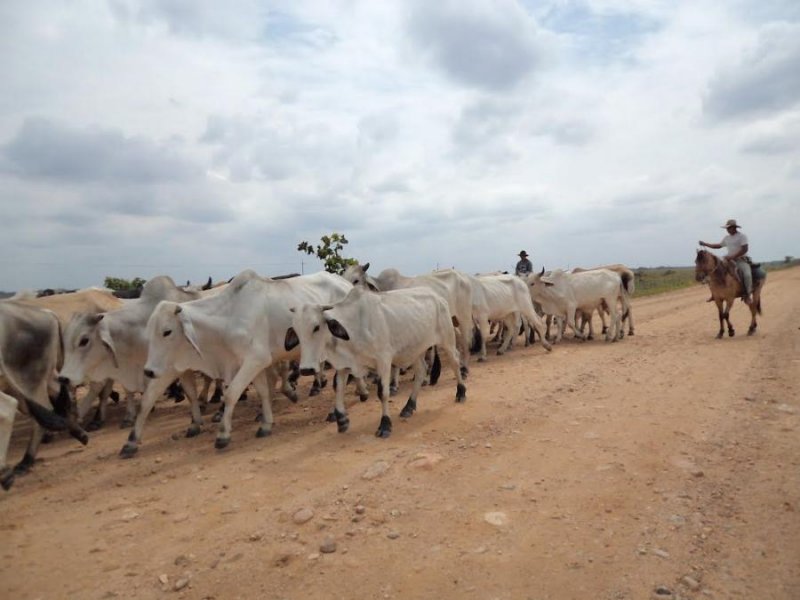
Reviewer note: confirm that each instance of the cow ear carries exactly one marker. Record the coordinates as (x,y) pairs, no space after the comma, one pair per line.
(372,286)
(337,330)
(290,341)
(325,307)
(188,329)
(108,342)
(365,267)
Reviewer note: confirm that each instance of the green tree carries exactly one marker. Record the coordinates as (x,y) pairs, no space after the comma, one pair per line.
(117,283)
(329,251)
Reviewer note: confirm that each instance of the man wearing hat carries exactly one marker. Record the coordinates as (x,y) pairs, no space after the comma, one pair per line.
(524,266)
(736,245)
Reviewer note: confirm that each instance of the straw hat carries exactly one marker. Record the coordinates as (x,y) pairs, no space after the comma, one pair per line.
(731,223)
(523,254)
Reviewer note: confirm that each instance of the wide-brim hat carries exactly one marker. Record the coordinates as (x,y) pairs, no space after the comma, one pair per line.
(523,254)
(731,223)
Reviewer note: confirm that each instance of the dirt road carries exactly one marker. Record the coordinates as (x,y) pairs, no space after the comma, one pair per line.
(663,466)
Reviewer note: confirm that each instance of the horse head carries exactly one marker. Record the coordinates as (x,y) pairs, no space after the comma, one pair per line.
(704,265)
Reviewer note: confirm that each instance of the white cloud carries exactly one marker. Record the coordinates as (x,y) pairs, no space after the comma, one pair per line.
(195,138)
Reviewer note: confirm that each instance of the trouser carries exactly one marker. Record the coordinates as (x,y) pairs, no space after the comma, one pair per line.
(746,274)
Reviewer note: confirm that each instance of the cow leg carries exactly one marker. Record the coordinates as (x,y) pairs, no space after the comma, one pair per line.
(384,375)
(535,321)
(8,410)
(615,321)
(85,403)
(202,397)
(339,414)
(450,356)
(287,389)
(23,467)
(264,383)
(216,397)
(189,386)
(130,411)
(247,372)
(510,322)
(419,374)
(361,387)
(155,389)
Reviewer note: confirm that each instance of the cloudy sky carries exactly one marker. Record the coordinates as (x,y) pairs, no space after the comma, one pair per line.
(197,137)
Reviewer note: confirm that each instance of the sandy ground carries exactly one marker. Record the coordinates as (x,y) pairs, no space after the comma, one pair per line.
(663,466)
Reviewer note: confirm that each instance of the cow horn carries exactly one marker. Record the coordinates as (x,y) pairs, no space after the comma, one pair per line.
(542,271)
(364,267)
(178,309)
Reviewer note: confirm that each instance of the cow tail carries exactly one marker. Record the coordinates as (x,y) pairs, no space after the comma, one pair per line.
(628,282)
(436,368)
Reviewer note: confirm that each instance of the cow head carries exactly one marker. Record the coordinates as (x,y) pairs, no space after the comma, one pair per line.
(172,341)
(88,343)
(312,328)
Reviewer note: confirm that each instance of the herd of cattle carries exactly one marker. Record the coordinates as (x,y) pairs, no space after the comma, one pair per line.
(257,330)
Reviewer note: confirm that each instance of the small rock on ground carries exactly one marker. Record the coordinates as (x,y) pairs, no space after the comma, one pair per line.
(328,546)
(303,515)
(376,470)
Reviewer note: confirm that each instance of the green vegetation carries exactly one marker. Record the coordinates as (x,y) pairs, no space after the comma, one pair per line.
(662,279)
(329,252)
(118,284)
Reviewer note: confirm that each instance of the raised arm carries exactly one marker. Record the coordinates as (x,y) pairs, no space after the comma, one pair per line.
(707,245)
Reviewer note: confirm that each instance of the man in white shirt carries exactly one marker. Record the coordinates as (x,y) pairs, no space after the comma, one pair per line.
(737,246)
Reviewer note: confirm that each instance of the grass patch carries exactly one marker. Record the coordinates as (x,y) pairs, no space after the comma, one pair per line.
(662,279)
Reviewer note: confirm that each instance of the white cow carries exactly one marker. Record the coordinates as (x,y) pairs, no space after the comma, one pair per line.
(375,331)
(561,294)
(628,283)
(113,345)
(29,356)
(450,284)
(237,336)
(502,298)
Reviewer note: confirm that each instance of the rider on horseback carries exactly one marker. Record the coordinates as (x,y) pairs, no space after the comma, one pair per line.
(736,245)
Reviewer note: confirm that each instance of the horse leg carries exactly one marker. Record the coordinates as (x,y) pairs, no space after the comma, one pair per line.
(721,319)
(728,306)
(754,305)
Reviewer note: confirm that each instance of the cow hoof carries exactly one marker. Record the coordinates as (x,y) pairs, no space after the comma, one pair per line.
(461,393)
(630,332)
(731,333)
(23,467)
(343,424)
(464,372)
(331,418)
(47,437)
(385,428)
(81,436)
(547,346)
(292,396)
(314,392)
(7,478)
(221,443)
(482,359)
(93,425)
(499,353)
(409,408)
(719,335)
(262,432)
(751,331)
(129,450)
(363,397)
(590,337)
(193,430)
(393,389)
(217,416)
(125,423)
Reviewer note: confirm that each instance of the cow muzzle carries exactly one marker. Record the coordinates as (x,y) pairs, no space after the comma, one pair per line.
(63,380)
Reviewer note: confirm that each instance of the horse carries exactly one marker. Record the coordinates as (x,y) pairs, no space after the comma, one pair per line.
(726,287)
